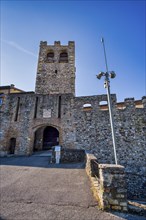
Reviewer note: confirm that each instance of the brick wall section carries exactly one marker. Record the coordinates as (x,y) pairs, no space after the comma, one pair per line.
(108,184)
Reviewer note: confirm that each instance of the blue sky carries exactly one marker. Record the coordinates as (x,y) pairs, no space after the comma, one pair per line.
(122,24)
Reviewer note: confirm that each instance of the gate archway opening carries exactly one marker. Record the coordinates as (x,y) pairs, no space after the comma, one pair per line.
(45,138)
(50,137)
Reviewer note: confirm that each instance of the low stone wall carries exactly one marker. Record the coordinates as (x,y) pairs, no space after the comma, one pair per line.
(108,184)
(136,182)
(70,156)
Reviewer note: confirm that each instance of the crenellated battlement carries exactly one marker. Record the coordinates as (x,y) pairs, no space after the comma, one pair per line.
(144,101)
(100,102)
(56,43)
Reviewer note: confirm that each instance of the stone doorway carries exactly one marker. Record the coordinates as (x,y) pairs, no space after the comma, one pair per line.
(50,137)
(45,138)
(12,146)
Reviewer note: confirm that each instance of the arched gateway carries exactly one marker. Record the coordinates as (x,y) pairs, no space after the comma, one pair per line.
(50,137)
(45,138)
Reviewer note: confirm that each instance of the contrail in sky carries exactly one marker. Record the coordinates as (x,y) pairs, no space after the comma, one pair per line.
(15,45)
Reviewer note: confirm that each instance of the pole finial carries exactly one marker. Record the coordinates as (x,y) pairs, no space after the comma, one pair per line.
(102,40)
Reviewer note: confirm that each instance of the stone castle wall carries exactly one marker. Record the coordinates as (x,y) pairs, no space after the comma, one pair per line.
(25,116)
(26,125)
(80,128)
(93,132)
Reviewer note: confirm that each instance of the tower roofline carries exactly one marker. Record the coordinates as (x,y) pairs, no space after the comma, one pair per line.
(57,43)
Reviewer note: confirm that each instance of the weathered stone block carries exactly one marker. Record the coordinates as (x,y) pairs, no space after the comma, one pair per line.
(116,207)
(112,201)
(120,196)
(123,204)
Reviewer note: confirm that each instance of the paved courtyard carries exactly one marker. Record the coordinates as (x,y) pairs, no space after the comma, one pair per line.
(32,189)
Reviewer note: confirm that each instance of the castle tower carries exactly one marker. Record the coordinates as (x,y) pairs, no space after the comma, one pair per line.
(56,69)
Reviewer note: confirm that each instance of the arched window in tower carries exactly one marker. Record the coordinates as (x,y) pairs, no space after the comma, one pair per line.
(63,57)
(50,57)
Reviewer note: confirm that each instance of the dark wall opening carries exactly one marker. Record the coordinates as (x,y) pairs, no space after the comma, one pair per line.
(50,137)
(63,57)
(12,146)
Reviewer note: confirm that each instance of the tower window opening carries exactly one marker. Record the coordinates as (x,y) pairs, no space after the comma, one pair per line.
(50,57)
(55,71)
(63,57)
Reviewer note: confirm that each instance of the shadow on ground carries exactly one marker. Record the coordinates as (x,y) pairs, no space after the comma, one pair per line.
(44,162)
(2,218)
(128,216)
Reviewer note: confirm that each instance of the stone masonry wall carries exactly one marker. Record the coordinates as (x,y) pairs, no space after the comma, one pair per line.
(108,184)
(86,128)
(93,132)
(16,129)
(69,155)
(80,128)
(53,76)
(26,125)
